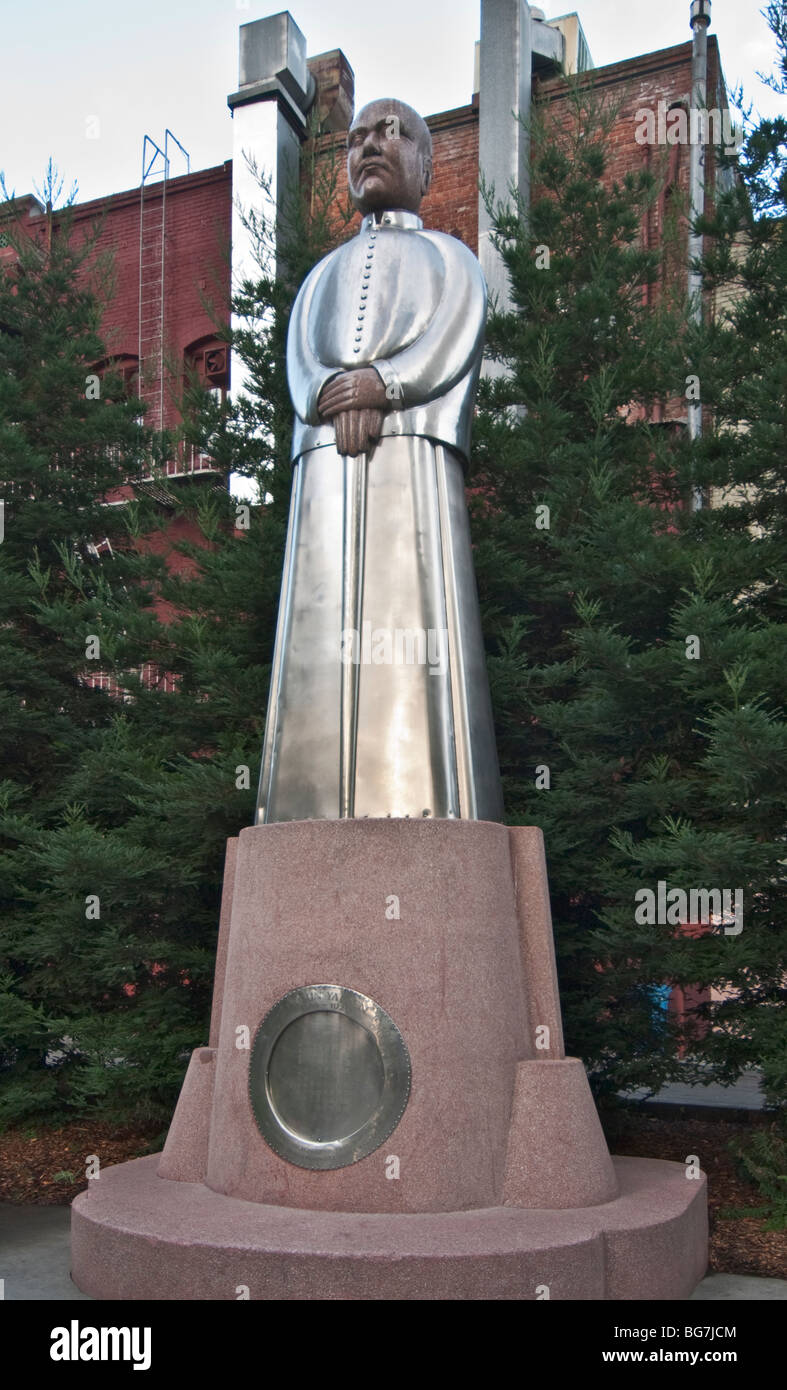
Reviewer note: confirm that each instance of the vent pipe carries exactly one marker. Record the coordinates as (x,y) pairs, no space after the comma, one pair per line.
(698,127)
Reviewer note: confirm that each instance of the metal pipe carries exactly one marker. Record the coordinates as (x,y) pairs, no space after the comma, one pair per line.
(698,126)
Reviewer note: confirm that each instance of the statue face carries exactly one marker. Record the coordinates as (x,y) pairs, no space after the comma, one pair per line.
(388,165)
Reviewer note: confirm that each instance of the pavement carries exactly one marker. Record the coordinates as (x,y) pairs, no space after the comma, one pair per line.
(737,1288)
(743,1094)
(35,1255)
(35,1262)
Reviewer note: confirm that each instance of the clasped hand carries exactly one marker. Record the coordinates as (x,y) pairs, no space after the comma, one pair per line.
(355,402)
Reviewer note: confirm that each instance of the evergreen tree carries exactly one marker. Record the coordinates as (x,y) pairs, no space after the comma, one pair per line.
(117,1004)
(743,459)
(68,436)
(635,646)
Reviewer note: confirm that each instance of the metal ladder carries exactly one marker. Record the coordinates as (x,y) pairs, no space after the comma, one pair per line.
(152,275)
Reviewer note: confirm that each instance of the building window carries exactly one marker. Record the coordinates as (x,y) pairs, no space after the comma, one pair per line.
(207,364)
(206,368)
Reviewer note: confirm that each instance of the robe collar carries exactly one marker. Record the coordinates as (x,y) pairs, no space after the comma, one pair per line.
(395,217)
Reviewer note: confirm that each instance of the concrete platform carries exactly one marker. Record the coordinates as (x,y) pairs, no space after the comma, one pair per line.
(138,1236)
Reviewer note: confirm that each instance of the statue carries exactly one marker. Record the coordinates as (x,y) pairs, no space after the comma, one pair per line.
(424,1043)
(379,703)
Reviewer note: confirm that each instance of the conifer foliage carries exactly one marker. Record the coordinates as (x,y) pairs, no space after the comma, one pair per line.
(69,434)
(636,644)
(117,805)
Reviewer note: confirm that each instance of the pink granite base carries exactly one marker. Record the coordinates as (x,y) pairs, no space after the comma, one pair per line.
(496,1181)
(557,1154)
(185,1154)
(309,902)
(138,1236)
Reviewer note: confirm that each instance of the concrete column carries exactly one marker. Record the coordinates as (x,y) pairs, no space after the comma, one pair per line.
(504,93)
(269,115)
(515,43)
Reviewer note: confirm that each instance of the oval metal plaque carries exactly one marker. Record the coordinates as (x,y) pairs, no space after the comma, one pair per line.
(329,1076)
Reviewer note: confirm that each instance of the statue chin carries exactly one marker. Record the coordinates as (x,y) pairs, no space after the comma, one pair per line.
(384,198)
(373,202)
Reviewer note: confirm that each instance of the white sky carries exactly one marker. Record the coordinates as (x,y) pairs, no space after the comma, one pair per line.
(75,68)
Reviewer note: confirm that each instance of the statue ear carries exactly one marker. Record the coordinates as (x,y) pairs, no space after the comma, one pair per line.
(426,177)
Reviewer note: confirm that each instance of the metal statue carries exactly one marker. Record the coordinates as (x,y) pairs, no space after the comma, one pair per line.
(379,702)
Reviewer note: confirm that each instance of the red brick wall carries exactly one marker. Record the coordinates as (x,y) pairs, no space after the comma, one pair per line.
(196,295)
(640,83)
(626,88)
(197,267)
(452,203)
(180,529)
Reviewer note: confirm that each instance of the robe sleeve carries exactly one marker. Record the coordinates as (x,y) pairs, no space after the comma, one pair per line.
(452,342)
(306,375)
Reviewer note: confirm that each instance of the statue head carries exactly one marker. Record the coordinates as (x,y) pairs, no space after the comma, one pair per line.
(389,157)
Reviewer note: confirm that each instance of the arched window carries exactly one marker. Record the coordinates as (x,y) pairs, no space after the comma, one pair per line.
(206,365)
(208,360)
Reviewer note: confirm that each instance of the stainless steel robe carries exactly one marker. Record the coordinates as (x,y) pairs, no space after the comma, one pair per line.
(379,701)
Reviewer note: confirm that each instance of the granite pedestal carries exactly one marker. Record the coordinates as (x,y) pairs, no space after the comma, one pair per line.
(496,1182)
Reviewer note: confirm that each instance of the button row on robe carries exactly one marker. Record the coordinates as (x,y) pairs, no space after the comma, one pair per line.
(364,291)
